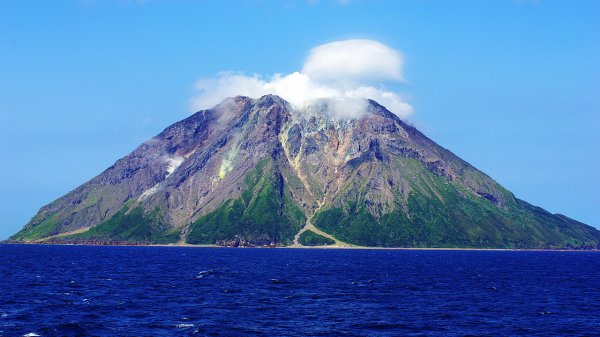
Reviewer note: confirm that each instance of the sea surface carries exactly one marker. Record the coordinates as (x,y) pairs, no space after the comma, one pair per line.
(180,291)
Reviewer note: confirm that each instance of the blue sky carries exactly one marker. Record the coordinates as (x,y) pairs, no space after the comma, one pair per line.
(510,86)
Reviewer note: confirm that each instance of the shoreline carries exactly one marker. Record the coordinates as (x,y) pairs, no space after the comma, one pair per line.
(331,247)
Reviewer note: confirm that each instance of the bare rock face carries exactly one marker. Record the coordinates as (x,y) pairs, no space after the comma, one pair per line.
(260,172)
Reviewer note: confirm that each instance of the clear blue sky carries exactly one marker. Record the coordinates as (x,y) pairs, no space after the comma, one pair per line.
(513,87)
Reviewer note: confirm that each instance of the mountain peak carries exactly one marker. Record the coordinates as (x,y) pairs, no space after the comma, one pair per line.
(261,171)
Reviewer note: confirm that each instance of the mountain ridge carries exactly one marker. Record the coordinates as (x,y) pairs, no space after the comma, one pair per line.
(260,172)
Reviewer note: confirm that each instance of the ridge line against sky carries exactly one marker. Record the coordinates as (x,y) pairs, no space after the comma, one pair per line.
(509,86)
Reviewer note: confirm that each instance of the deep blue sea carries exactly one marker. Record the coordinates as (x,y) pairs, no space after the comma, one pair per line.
(169,291)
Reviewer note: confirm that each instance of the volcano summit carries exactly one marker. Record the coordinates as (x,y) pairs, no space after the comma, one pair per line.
(261,172)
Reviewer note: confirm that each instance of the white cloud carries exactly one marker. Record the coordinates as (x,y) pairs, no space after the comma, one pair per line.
(345,71)
(352,61)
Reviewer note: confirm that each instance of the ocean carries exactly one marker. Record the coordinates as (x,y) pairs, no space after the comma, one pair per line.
(179,291)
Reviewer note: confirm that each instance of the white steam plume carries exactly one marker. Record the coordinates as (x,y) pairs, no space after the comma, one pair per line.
(173,162)
(345,71)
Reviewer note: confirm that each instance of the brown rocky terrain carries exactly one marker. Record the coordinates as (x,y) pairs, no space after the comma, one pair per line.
(259,172)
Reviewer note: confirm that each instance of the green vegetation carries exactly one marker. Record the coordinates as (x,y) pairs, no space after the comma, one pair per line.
(310,238)
(132,226)
(372,182)
(264,213)
(437,212)
(445,214)
(47,227)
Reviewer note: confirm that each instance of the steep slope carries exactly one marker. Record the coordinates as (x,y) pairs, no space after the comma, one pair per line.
(258,172)
(193,167)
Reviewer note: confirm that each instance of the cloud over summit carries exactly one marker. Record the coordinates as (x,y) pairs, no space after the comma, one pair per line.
(353,60)
(347,71)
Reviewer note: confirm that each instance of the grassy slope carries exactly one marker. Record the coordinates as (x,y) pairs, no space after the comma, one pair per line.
(264,213)
(135,226)
(44,225)
(310,238)
(45,228)
(462,219)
